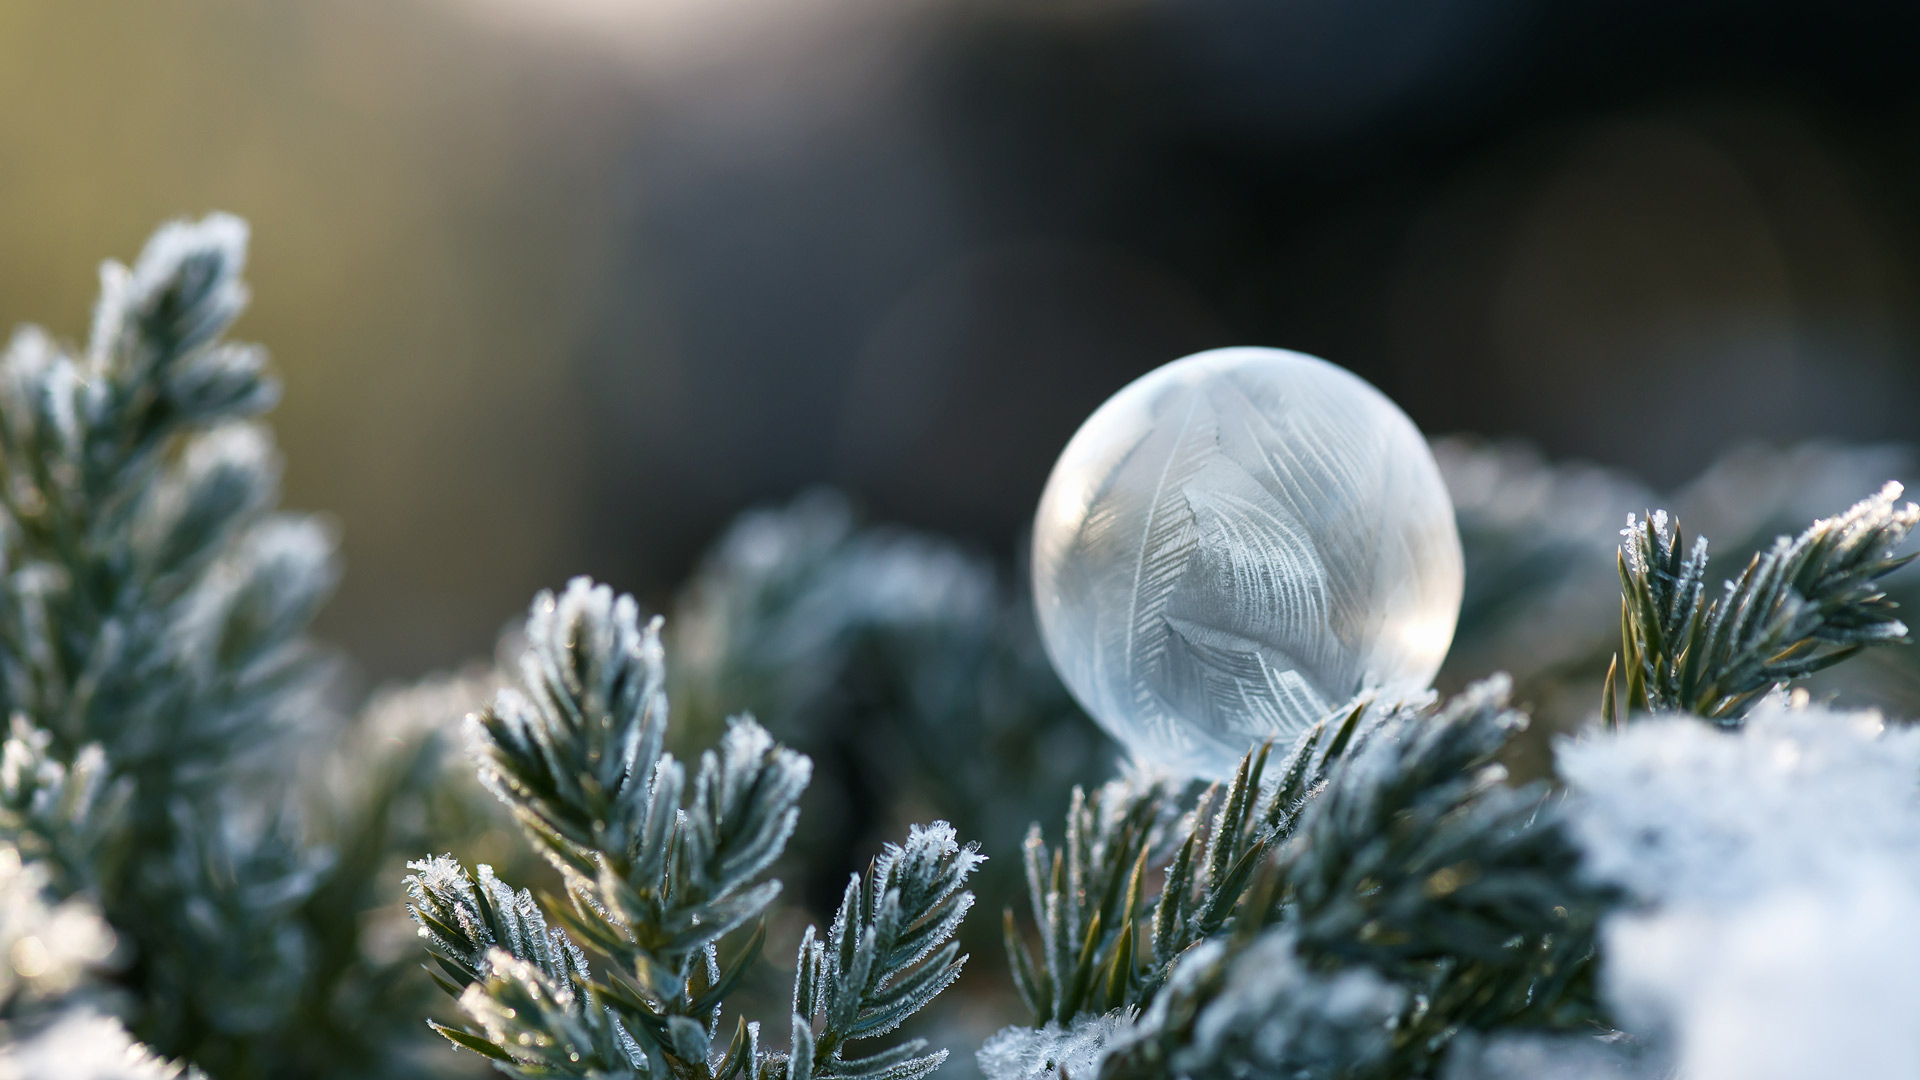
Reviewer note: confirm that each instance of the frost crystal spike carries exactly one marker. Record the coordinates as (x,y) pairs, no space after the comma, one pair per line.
(1237,543)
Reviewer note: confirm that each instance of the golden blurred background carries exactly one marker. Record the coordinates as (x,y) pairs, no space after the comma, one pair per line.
(558,286)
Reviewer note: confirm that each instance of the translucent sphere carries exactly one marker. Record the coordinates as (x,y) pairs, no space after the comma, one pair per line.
(1236,544)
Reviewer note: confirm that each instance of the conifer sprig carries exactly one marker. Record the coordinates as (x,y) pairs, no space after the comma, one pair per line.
(1389,857)
(1249,1005)
(158,602)
(58,812)
(157,677)
(655,880)
(1105,943)
(888,952)
(577,756)
(514,974)
(1421,862)
(1807,603)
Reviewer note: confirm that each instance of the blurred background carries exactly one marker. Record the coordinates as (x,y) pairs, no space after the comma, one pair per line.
(562,285)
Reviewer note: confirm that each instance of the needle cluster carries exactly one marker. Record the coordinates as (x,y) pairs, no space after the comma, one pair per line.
(624,975)
(158,683)
(1802,605)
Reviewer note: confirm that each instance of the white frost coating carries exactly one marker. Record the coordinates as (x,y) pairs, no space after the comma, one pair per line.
(1677,812)
(1051,1052)
(1803,983)
(1539,1056)
(1236,543)
(1275,1014)
(46,948)
(1775,873)
(1263,1012)
(83,1045)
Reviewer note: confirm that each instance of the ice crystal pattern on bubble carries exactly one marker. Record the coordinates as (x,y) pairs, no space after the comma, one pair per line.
(1237,543)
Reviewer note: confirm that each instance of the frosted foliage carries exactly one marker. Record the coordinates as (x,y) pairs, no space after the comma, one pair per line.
(1261,1011)
(1235,544)
(1051,1052)
(1532,1056)
(1277,1016)
(83,1045)
(1678,813)
(1816,981)
(1776,874)
(46,947)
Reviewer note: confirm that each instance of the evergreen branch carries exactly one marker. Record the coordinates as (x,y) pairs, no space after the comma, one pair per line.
(1104,942)
(153,661)
(577,755)
(573,754)
(1094,882)
(823,628)
(151,581)
(59,812)
(1389,865)
(654,883)
(1420,862)
(888,952)
(1255,1008)
(514,975)
(1804,604)
(542,1025)
(578,759)
(466,922)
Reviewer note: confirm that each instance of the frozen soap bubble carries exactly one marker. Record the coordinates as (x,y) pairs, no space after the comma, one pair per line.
(1236,544)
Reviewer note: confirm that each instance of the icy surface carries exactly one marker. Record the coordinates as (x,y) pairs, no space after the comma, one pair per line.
(1236,543)
(1821,980)
(1679,813)
(1773,929)
(1052,1052)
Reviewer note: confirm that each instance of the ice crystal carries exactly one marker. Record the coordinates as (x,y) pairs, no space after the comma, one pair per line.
(1235,544)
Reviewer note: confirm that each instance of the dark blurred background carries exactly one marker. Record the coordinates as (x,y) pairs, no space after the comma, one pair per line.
(561,285)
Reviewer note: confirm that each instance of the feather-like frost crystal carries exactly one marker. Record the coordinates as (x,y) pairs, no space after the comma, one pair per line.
(1235,544)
